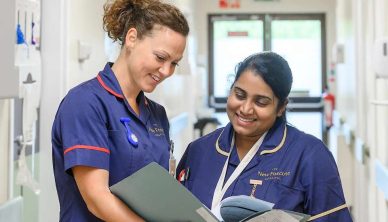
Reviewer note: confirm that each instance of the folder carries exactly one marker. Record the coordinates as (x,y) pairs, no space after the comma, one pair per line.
(156,196)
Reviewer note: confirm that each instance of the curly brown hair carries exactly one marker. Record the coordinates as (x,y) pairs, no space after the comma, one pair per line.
(143,15)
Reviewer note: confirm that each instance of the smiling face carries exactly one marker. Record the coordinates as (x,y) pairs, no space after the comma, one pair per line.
(252,107)
(153,58)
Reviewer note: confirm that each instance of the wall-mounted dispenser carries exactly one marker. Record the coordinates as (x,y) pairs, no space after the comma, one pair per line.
(84,51)
(380,57)
(380,64)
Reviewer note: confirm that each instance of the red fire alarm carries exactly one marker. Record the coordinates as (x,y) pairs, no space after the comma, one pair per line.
(229,3)
(223,3)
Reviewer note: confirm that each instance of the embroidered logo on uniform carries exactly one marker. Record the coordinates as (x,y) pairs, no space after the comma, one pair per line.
(156,130)
(273,174)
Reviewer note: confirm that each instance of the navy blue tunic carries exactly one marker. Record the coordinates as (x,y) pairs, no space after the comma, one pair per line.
(87,131)
(297,172)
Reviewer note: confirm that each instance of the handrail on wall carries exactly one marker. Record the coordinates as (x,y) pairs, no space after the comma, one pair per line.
(382,178)
(12,210)
(380,102)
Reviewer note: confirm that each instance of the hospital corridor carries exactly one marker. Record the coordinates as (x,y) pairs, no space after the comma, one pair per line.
(64,99)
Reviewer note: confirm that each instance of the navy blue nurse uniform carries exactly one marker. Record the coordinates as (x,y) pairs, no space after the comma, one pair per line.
(296,172)
(87,131)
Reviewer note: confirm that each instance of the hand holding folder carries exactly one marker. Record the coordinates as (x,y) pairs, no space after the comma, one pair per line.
(156,196)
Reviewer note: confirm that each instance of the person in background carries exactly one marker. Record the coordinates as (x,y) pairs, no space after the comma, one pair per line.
(106,128)
(259,154)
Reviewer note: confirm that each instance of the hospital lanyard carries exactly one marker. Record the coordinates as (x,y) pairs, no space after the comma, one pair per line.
(220,190)
(172,161)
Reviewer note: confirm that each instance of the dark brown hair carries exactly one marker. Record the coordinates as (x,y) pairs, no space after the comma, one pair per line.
(143,15)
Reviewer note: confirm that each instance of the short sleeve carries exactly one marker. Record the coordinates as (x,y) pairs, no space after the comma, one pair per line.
(324,195)
(83,130)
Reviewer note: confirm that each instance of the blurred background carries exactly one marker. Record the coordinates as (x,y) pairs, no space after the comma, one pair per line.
(337,50)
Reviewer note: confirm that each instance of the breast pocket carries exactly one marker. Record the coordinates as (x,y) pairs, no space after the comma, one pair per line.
(286,196)
(122,157)
(158,145)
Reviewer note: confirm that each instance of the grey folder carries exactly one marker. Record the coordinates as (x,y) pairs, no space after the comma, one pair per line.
(156,196)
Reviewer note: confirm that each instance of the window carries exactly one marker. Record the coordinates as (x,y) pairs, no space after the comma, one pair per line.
(232,41)
(299,41)
(299,38)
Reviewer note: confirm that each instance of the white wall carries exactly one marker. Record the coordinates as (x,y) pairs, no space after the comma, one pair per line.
(84,23)
(63,24)
(346,74)
(380,147)
(360,23)
(4,138)
(53,88)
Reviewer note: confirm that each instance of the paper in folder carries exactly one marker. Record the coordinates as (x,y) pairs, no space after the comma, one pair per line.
(156,196)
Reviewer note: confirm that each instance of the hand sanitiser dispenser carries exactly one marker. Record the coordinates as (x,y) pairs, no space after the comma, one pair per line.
(380,57)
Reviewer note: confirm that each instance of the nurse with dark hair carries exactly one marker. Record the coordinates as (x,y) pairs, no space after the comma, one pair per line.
(259,154)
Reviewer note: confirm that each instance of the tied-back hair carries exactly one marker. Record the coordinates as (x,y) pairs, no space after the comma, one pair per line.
(143,15)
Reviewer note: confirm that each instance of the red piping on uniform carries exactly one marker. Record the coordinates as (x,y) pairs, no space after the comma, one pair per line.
(107,88)
(88,148)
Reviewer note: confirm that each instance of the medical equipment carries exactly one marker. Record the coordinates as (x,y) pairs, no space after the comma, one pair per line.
(24,176)
(21,74)
(132,138)
(20,44)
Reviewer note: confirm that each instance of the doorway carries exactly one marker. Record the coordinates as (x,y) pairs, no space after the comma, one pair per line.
(299,38)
